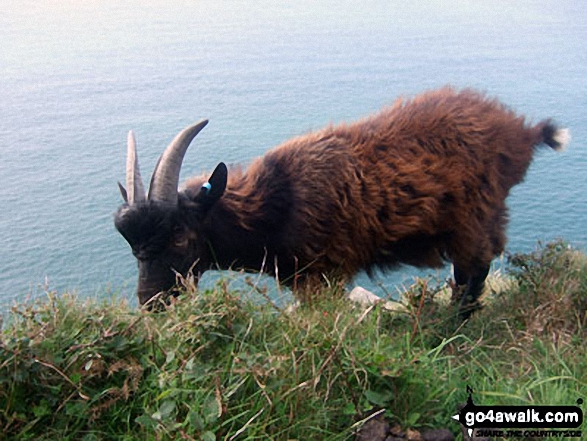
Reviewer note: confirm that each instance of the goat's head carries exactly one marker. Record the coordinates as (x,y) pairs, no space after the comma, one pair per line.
(163,227)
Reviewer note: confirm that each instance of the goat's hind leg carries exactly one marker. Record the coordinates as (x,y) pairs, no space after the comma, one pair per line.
(469,287)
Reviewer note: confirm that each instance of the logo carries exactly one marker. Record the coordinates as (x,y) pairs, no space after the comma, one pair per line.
(498,421)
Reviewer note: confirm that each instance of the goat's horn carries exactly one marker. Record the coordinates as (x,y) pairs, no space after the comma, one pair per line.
(134,183)
(165,178)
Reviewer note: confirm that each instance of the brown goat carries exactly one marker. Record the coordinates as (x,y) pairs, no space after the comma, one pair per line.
(420,183)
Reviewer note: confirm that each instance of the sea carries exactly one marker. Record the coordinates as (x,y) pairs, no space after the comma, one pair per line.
(76,76)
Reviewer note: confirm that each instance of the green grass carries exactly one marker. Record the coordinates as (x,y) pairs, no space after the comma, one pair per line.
(216,366)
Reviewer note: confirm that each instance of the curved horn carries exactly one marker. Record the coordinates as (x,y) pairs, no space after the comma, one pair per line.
(165,178)
(134,183)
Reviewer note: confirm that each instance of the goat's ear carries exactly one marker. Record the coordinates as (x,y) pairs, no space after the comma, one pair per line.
(214,189)
(123,192)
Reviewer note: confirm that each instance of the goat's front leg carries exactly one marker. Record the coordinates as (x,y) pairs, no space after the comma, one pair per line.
(469,287)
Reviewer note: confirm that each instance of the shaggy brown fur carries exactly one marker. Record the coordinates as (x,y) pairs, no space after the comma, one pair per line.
(420,183)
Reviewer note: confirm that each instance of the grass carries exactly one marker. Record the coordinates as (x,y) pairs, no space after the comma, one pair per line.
(213,366)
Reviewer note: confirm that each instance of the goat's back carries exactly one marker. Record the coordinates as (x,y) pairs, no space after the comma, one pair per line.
(420,182)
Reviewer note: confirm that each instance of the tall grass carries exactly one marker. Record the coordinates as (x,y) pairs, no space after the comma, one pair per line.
(213,366)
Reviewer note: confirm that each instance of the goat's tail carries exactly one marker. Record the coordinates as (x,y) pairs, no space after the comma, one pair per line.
(555,137)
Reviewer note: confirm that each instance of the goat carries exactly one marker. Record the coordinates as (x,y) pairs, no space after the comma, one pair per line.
(422,183)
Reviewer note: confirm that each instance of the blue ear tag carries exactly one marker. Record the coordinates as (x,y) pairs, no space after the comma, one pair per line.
(207,186)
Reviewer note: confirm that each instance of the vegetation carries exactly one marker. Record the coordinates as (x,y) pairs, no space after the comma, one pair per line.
(220,365)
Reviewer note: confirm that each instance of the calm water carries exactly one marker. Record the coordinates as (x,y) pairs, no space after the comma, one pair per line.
(76,76)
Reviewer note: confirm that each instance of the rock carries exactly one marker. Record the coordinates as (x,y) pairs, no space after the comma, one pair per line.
(376,429)
(438,435)
(379,429)
(366,298)
(413,435)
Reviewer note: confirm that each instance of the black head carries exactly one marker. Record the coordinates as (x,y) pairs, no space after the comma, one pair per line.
(162,229)
(159,241)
